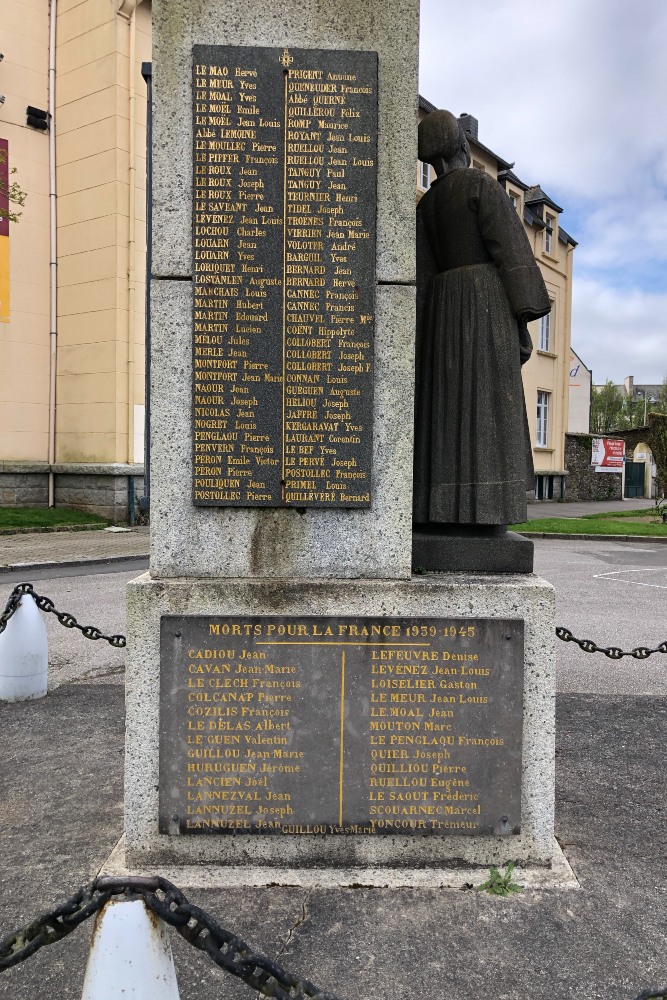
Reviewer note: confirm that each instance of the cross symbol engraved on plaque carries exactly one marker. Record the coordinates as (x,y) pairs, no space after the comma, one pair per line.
(286,59)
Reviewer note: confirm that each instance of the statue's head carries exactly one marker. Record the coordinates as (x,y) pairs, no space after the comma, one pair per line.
(442,142)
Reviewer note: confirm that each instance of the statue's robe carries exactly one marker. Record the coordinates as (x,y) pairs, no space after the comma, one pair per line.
(476,277)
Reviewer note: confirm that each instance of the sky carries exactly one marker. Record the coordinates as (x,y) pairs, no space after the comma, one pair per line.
(575,93)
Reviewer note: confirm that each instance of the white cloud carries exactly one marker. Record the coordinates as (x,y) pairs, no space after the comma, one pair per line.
(619,333)
(574,93)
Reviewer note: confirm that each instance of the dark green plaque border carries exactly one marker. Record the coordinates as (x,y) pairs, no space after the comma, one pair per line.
(349,725)
(319,456)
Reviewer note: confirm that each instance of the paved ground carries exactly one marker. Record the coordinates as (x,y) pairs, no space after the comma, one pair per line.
(61,814)
(66,546)
(616,595)
(74,546)
(545,508)
(606,590)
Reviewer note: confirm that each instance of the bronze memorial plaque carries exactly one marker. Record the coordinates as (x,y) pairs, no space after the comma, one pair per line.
(284,218)
(340,725)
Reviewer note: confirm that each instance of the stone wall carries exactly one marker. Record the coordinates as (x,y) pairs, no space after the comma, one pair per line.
(99,489)
(24,484)
(583,482)
(102,492)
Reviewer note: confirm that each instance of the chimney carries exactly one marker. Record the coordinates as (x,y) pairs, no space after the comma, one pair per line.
(470,125)
(629,382)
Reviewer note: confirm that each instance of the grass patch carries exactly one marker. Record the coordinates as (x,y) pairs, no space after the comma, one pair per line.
(643,512)
(594,524)
(46,517)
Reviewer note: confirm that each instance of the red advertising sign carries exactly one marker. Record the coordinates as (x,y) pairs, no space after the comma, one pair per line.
(608,454)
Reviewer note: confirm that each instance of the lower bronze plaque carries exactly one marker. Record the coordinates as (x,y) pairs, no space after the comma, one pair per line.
(348,725)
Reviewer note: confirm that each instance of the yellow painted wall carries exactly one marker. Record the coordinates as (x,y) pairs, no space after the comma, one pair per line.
(24,340)
(548,372)
(96,394)
(100,367)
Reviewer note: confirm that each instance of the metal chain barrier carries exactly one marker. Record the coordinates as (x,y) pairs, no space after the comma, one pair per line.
(197,926)
(64,617)
(192,923)
(168,903)
(613,652)
(90,632)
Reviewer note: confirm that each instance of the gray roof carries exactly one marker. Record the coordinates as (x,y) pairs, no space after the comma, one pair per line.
(533,220)
(426,106)
(536,196)
(566,238)
(509,175)
(502,164)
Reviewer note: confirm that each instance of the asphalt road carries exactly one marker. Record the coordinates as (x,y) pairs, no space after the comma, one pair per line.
(61,814)
(611,592)
(616,594)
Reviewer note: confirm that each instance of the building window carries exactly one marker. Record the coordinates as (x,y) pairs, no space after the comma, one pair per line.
(545,332)
(424,176)
(515,202)
(478,165)
(542,437)
(549,234)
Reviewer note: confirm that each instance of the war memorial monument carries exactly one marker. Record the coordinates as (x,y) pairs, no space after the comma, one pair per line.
(308,703)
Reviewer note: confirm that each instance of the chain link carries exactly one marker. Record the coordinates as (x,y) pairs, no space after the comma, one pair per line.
(64,617)
(91,632)
(613,652)
(168,903)
(195,925)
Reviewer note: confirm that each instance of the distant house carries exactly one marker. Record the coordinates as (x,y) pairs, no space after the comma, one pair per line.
(639,479)
(640,392)
(546,377)
(579,409)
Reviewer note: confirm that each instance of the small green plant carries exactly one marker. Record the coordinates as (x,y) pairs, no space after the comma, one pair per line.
(500,885)
(660,509)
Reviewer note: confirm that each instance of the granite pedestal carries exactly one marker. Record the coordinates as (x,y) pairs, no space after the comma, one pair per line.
(271,560)
(524,597)
(437,549)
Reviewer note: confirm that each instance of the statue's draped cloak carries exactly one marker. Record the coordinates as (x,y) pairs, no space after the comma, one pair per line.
(476,275)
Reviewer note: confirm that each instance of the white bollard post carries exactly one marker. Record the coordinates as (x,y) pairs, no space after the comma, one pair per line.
(24,654)
(130,956)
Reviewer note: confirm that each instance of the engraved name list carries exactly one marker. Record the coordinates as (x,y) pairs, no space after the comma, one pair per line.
(341,726)
(284,201)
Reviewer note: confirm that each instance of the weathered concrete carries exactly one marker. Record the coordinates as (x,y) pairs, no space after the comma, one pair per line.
(372,25)
(100,488)
(528,598)
(62,814)
(260,542)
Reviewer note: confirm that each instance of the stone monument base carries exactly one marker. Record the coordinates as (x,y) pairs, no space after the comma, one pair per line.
(527,598)
(558,874)
(448,549)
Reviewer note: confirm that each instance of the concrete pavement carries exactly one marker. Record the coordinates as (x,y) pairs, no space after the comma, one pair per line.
(551,508)
(30,551)
(71,547)
(61,814)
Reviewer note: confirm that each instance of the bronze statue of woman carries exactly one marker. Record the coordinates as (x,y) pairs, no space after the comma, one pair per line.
(477,288)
